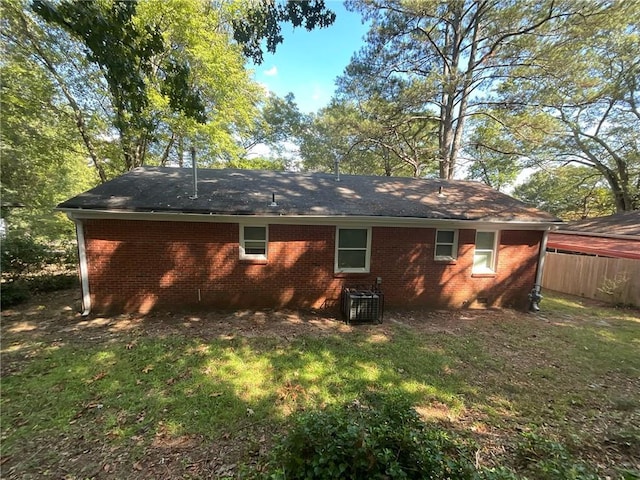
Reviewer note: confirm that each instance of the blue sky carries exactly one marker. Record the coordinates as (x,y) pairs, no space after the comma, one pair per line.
(307,63)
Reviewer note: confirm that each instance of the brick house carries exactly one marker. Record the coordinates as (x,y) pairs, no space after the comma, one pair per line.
(282,239)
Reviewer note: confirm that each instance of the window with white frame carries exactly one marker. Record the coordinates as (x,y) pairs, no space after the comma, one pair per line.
(253,242)
(446,245)
(353,249)
(484,257)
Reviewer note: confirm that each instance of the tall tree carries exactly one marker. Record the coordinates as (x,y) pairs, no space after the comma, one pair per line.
(125,51)
(258,23)
(329,141)
(493,158)
(43,160)
(63,63)
(570,192)
(454,49)
(388,117)
(172,70)
(579,94)
(196,35)
(371,137)
(276,133)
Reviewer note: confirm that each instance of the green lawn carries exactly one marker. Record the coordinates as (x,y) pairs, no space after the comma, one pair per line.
(129,396)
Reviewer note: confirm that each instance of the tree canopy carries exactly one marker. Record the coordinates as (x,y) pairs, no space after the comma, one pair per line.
(470,88)
(569,192)
(113,85)
(504,86)
(575,98)
(450,52)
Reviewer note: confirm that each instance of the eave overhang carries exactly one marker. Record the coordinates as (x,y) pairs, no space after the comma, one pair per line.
(380,221)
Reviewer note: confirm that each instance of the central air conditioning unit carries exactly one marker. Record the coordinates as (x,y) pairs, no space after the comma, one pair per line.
(362,305)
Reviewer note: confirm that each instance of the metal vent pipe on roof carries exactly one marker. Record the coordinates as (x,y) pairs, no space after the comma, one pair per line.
(195,173)
(337,170)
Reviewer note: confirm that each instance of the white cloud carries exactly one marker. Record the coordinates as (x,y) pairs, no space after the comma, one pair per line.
(272,72)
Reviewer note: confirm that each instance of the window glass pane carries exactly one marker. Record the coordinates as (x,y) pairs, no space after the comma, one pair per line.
(255,233)
(482,260)
(352,238)
(352,258)
(484,240)
(254,248)
(444,251)
(445,236)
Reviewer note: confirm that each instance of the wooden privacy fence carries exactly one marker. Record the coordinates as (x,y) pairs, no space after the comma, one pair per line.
(614,280)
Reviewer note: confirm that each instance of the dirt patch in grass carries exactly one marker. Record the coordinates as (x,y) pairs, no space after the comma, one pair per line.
(569,372)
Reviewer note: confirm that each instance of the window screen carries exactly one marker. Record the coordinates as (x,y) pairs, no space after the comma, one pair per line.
(446,244)
(485,255)
(352,249)
(254,242)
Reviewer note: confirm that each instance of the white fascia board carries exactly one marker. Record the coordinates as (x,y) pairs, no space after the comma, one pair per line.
(77,214)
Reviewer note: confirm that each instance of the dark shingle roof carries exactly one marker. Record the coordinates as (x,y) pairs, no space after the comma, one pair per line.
(249,192)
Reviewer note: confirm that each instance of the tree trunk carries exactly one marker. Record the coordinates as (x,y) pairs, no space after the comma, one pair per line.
(165,153)
(181,151)
(617,179)
(77,112)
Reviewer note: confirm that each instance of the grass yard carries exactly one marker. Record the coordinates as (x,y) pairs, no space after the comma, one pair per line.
(192,396)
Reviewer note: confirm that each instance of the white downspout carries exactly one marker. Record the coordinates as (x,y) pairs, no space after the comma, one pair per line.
(541,257)
(536,296)
(84,270)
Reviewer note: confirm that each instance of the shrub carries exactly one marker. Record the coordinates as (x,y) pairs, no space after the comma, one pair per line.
(22,253)
(380,438)
(545,459)
(51,283)
(12,293)
(383,437)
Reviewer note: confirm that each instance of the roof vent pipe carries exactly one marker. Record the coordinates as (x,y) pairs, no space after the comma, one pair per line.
(337,170)
(195,173)
(273,200)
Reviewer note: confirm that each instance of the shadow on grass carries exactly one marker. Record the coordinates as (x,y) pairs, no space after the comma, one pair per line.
(560,370)
(186,386)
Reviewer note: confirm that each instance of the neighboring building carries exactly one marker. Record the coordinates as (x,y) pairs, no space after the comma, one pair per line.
(614,236)
(597,258)
(280,239)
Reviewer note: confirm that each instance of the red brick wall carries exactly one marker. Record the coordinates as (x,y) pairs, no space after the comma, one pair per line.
(141,265)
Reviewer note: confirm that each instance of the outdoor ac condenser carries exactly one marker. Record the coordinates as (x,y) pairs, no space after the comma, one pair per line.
(362,305)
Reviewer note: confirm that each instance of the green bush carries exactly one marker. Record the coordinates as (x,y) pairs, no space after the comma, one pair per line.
(51,283)
(21,254)
(380,438)
(545,459)
(13,293)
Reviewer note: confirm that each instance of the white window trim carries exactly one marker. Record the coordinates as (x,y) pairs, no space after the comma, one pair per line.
(494,257)
(253,256)
(367,257)
(454,248)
